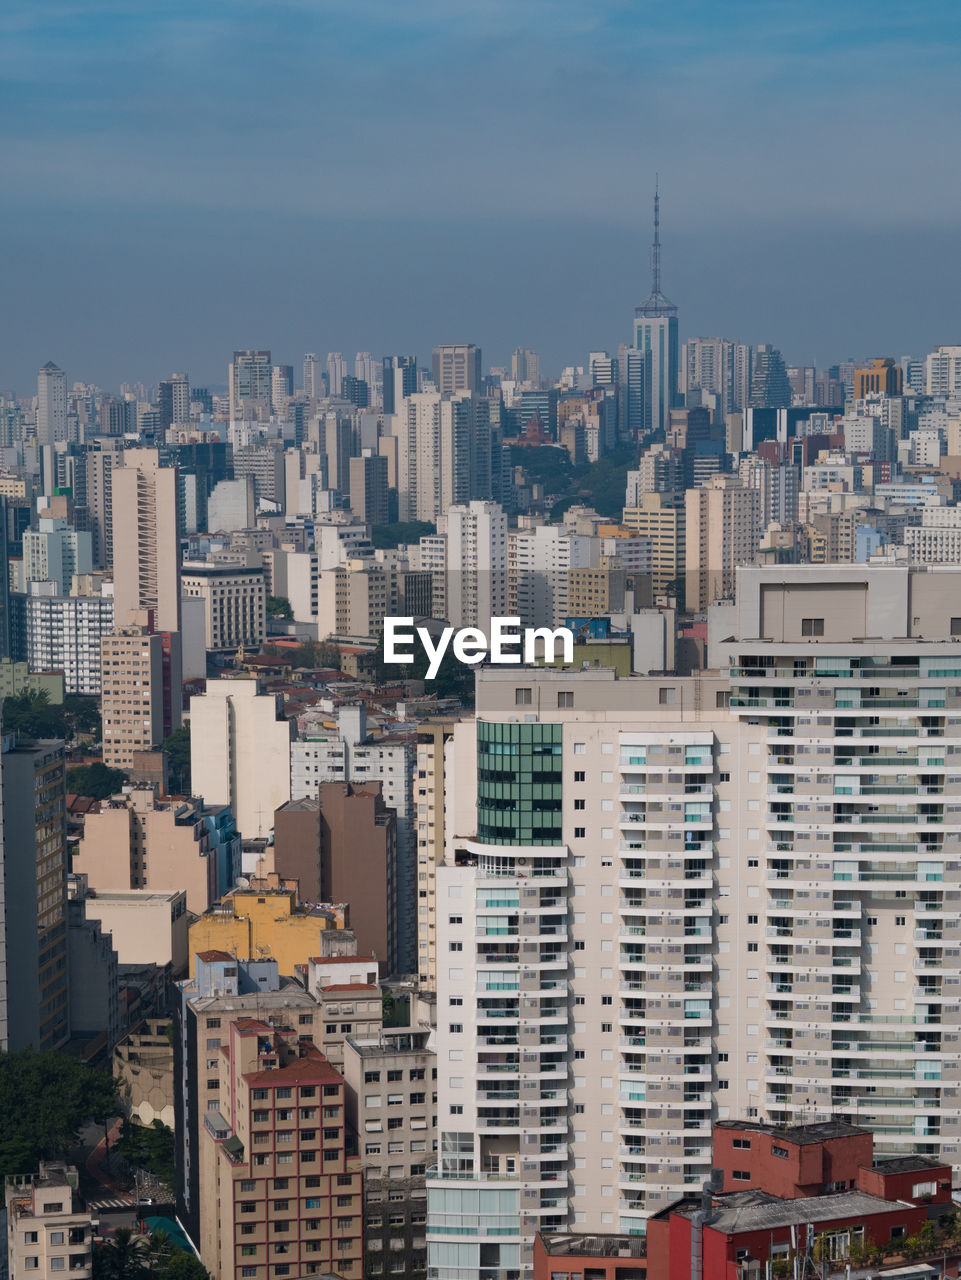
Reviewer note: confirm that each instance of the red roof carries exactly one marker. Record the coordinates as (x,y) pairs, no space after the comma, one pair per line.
(303,1071)
(211,957)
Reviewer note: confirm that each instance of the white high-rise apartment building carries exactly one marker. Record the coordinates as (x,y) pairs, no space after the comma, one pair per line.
(540,561)
(313,382)
(668,901)
(364,369)
(719,366)
(249,379)
(51,404)
(54,552)
(336,371)
(443,452)
(942,372)
(64,633)
(476,564)
(240,752)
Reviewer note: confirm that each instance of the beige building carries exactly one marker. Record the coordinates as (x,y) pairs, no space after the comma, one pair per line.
(350,1000)
(240,752)
(745,880)
(143,1066)
(140,842)
(660,517)
(146,546)
(234,600)
(147,926)
(132,694)
(433,737)
(723,527)
(48,1230)
(390,1106)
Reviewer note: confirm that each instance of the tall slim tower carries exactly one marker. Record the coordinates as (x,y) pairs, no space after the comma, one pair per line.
(146,560)
(51,404)
(655,331)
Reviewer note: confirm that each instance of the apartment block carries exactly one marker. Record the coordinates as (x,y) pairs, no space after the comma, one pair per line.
(234,600)
(660,518)
(139,841)
(61,633)
(668,901)
(279,1193)
(48,1229)
(223,991)
(34,987)
(433,737)
(351,1002)
(391,1107)
(268,920)
(132,687)
(240,752)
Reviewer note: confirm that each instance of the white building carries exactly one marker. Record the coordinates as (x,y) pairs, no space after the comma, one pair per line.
(476,564)
(51,405)
(54,552)
(540,563)
(240,752)
(234,600)
(231,506)
(942,372)
(63,633)
(728,896)
(443,452)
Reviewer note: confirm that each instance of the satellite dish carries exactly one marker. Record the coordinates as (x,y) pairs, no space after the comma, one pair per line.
(243,882)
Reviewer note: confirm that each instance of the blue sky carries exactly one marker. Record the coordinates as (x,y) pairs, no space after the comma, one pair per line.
(183,178)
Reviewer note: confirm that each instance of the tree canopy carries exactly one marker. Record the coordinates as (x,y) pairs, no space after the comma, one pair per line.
(33,715)
(96,780)
(177,747)
(279,607)
(127,1256)
(45,1099)
(387,536)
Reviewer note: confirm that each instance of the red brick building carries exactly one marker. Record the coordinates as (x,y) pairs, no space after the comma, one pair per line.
(806,1189)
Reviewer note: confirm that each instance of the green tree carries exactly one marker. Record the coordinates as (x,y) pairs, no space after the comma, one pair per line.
(45,1098)
(177,747)
(83,714)
(32,715)
(387,536)
(121,1257)
(96,780)
(279,607)
(149,1147)
(184,1266)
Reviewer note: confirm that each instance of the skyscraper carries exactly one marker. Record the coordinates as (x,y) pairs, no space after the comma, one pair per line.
(173,401)
(400,381)
(457,367)
(336,369)
(655,331)
(249,379)
(146,547)
(281,386)
(526,366)
(770,388)
(313,376)
(51,404)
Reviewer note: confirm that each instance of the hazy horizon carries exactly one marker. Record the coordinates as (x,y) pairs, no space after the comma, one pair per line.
(322,176)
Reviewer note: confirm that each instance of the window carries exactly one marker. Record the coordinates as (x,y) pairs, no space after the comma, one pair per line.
(371,1077)
(741,1175)
(580,804)
(956,626)
(741,1144)
(580,833)
(812,626)
(565,699)
(456,946)
(522,697)
(782,1153)
(724,777)
(607,1026)
(455,919)
(394,1076)
(456,1027)
(665,696)
(900,919)
(752,919)
(752,946)
(456,1109)
(607,999)
(580,775)
(723,1084)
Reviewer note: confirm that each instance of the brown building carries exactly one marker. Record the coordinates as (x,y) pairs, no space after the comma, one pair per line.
(132,702)
(884,378)
(281,1197)
(342,847)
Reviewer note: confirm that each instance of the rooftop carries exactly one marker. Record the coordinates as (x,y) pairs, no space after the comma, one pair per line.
(740,1211)
(215,957)
(593,1246)
(303,1071)
(908,1164)
(798,1134)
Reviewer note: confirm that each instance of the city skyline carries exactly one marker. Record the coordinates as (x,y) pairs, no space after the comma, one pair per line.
(129,188)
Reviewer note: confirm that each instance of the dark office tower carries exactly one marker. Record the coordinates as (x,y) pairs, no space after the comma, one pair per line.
(33,896)
(770,388)
(173,401)
(457,367)
(202,465)
(400,380)
(249,379)
(117,416)
(355,390)
(202,397)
